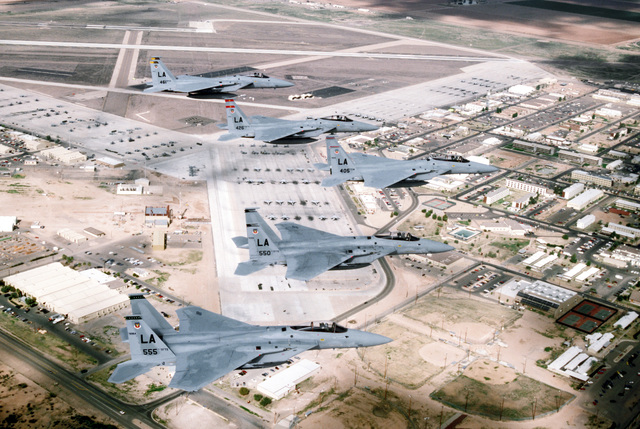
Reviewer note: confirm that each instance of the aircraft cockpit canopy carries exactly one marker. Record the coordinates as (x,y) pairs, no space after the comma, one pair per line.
(450,158)
(341,118)
(260,75)
(320,327)
(400,236)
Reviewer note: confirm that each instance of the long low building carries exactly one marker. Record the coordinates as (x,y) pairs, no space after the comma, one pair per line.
(281,384)
(588,273)
(583,176)
(63,290)
(573,271)
(625,231)
(626,204)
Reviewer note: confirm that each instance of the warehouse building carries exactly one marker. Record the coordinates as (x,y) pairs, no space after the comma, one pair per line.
(572,191)
(583,176)
(281,384)
(541,295)
(614,165)
(157,216)
(63,290)
(64,155)
(584,199)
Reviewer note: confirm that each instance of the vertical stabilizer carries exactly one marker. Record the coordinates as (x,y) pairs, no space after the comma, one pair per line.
(141,307)
(341,166)
(262,241)
(238,123)
(161,77)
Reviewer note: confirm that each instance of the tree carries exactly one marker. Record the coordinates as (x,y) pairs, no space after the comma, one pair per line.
(573,259)
(265,401)
(565,237)
(588,263)
(244,391)
(445,218)
(434,217)
(515,115)
(499,110)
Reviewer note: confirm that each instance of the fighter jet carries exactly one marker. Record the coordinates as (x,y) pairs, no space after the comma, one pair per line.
(309,252)
(271,129)
(163,80)
(378,172)
(209,345)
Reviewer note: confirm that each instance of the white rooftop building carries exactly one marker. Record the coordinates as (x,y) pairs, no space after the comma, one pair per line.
(573,271)
(284,382)
(626,320)
(7,223)
(572,191)
(584,199)
(521,89)
(585,221)
(601,342)
(68,292)
(588,273)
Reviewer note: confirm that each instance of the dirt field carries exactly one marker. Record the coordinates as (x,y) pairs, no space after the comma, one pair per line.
(24,404)
(503,159)
(515,399)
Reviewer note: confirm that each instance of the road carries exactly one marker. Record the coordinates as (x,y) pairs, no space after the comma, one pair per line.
(78,389)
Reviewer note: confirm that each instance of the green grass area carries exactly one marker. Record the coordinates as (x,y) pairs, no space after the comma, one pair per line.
(579,9)
(512,245)
(47,343)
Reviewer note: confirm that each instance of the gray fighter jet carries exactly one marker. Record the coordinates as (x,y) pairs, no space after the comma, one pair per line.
(309,252)
(163,80)
(209,345)
(378,172)
(270,129)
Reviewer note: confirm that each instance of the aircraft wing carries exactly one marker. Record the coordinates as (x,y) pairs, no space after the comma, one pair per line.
(197,369)
(195,319)
(385,178)
(276,132)
(311,264)
(293,232)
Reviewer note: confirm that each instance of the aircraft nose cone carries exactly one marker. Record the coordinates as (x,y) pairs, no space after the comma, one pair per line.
(490,169)
(375,339)
(369,127)
(282,83)
(441,247)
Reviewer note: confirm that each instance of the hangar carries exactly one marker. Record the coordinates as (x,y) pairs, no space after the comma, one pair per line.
(63,290)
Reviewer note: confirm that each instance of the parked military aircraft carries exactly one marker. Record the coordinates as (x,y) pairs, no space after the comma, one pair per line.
(378,172)
(270,129)
(163,80)
(309,252)
(209,345)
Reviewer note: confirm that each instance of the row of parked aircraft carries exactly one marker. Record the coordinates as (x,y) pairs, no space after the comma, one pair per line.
(210,345)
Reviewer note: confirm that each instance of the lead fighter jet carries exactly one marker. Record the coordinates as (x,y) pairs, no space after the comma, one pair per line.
(270,129)
(378,172)
(209,345)
(163,80)
(309,252)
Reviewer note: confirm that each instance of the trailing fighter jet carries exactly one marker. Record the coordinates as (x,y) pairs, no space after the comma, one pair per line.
(163,80)
(209,345)
(309,252)
(378,172)
(270,129)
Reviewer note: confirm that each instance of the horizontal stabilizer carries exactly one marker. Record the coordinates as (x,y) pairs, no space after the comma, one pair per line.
(226,137)
(128,370)
(322,166)
(249,267)
(222,126)
(334,180)
(153,89)
(241,242)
